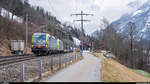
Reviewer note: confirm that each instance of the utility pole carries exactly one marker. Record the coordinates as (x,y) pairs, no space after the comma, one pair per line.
(131,34)
(132,25)
(26,50)
(68,41)
(82,21)
(91,46)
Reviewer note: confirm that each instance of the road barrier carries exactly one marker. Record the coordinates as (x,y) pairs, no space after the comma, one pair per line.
(34,68)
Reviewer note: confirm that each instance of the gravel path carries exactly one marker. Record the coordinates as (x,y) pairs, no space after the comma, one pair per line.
(86,70)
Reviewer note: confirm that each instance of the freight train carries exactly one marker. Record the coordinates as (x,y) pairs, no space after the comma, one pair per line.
(44,44)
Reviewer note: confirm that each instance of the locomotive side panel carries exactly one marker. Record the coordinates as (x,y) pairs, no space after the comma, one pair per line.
(53,44)
(61,45)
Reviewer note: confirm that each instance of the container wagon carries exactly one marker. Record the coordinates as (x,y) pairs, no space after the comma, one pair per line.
(17,47)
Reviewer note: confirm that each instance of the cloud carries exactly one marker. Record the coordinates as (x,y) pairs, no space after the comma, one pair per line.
(111,9)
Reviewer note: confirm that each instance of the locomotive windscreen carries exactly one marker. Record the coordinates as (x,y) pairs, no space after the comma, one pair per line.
(39,39)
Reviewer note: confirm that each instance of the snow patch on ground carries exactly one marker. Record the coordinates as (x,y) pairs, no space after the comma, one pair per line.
(5,13)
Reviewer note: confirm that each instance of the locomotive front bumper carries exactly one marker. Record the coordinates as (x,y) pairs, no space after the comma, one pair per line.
(39,49)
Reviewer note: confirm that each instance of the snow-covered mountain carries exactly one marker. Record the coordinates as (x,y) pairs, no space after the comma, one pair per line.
(141,18)
(137,3)
(95,34)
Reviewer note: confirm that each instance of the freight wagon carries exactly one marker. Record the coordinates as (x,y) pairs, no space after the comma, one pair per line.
(17,47)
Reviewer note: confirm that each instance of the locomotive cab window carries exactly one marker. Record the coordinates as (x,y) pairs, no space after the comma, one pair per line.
(39,39)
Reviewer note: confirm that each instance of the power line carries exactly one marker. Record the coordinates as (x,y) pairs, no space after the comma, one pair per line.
(51,6)
(82,21)
(35,2)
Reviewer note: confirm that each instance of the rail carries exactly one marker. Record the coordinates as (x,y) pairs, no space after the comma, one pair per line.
(14,59)
(32,69)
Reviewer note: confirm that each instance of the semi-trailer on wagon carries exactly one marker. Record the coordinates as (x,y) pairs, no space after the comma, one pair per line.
(17,47)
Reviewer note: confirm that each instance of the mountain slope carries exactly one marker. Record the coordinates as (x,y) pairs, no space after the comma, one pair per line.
(141,18)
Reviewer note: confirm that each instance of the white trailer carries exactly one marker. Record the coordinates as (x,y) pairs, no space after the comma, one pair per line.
(77,44)
(17,46)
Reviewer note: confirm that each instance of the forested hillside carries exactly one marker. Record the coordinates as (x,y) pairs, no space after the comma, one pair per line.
(128,50)
(39,21)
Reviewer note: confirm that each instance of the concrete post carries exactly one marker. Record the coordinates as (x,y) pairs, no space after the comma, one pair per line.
(52,63)
(26,49)
(40,68)
(60,62)
(22,72)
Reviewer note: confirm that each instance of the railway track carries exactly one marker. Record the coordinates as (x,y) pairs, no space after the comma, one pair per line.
(11,56)
(5,60)
(13,59)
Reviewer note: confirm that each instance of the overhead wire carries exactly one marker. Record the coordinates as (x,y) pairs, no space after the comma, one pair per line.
(99,18)
(52,8)
(37,4)
(77,10)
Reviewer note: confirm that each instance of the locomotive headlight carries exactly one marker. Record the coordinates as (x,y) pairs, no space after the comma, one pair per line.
(35,46)
(42,47)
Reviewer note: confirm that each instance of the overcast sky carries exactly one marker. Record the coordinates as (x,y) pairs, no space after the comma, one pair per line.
(110,9)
